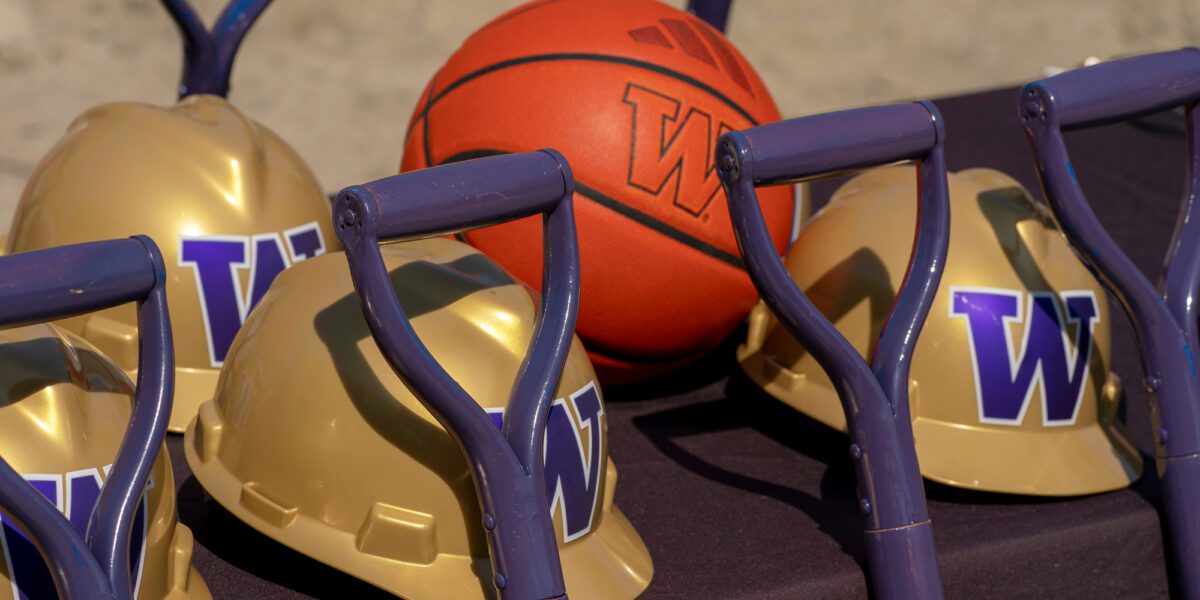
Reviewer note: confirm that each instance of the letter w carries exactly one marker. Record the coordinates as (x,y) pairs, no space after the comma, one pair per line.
(572,478)
(1048,359)
(668,154)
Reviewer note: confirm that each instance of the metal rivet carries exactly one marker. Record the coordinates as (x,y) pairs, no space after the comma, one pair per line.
(864,506)
(1152,384)
(349,218)
(501,581)
(1031,110)
(855,451)
(489,522)
(1162,435)
(727,162)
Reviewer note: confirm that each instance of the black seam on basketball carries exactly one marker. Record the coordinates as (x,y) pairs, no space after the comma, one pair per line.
(408,132)
(695,243)
(472,155)
(564,56)
(629,212)
(665,146)
(425,120)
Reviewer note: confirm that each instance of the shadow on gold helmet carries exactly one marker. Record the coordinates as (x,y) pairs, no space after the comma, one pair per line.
(1009,387)
(313,440)
(72,426)
(229,202)
(64,410)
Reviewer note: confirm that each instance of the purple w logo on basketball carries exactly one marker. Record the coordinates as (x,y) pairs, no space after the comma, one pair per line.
(572,453)
(217,261)
(1051,355)
(74,494)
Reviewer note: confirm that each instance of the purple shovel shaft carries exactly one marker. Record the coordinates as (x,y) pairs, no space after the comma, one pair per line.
(901,553)
(70,280)
(713,12)
(75,571)
(208,56)
(1164,316)
(506,465)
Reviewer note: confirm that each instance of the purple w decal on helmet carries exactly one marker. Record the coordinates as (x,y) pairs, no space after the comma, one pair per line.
(1006,374)
(217,260)
(74,494)
(572,454)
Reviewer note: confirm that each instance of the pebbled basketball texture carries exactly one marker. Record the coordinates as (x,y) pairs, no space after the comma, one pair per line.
(635,94)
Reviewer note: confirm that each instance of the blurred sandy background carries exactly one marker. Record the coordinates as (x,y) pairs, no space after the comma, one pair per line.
(338,78)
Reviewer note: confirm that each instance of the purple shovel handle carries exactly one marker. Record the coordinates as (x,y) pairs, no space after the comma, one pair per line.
(900,549)
(208,56)
(506,465)
(1164,317)
(1123,89)
(70,280)
(713,12)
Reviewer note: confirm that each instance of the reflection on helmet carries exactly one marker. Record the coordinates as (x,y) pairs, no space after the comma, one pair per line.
(64,411)
(1009,390)
(313,440)
(229,203)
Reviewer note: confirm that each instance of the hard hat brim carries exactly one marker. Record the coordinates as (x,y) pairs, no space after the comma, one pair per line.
(609,562)
(1068,461)
(1085,460)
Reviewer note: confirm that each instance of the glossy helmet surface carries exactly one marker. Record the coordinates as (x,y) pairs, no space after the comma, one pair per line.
(64,413)
(313,440)
(66,410)
(228,201)
(1009,387)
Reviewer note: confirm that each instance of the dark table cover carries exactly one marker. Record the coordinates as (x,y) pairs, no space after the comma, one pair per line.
(738,496)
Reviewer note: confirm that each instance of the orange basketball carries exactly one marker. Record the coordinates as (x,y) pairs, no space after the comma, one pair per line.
(635,94)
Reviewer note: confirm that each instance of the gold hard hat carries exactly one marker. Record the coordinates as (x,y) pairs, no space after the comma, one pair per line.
(229,203)
(65,411)
(1009,389)
(313,440)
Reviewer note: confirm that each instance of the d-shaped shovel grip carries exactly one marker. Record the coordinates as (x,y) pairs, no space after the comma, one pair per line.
(61,282)
(507,465)
(1164,317)
(875,399)
(208,55)
(1121,89)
